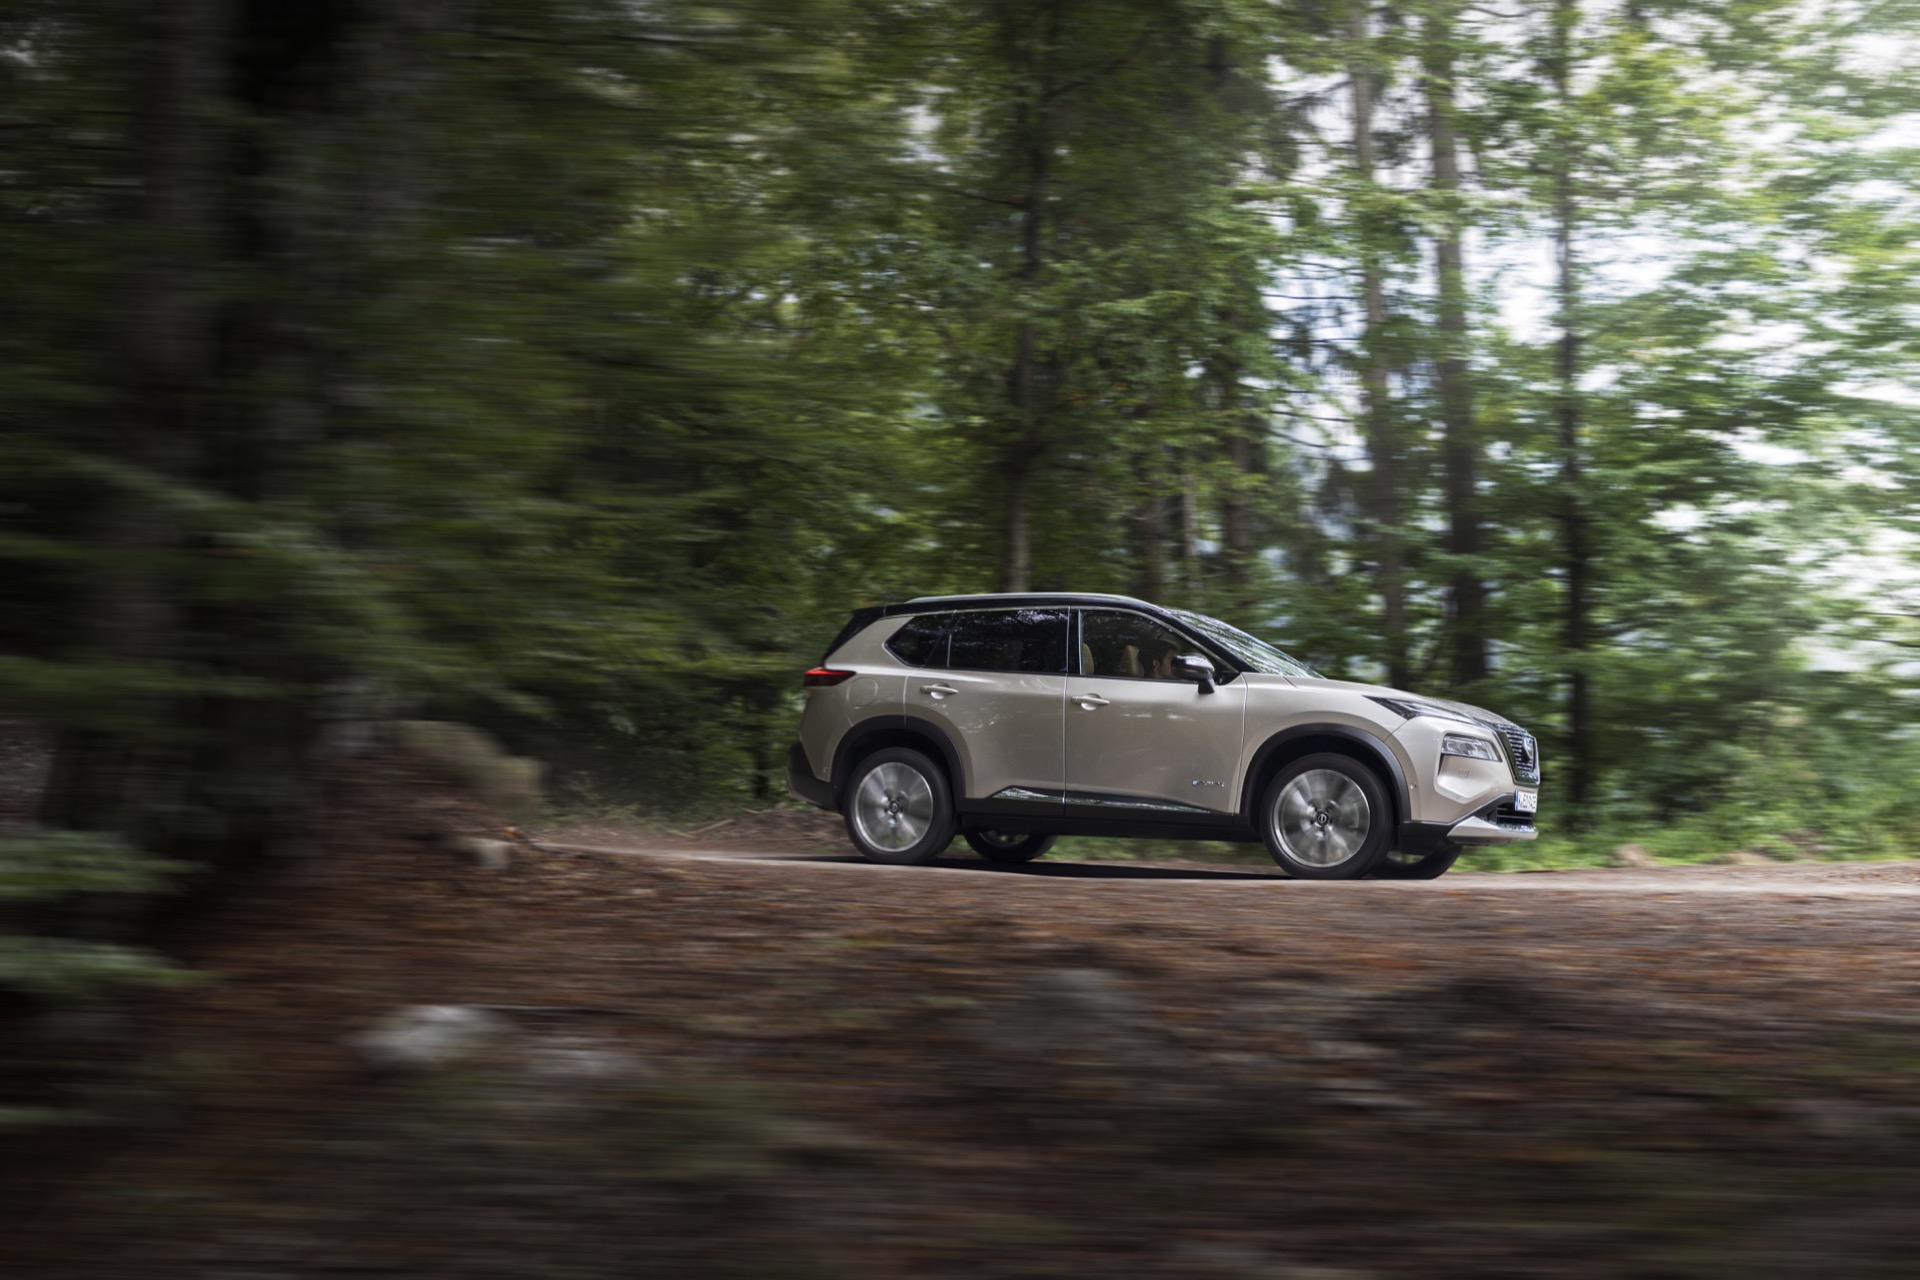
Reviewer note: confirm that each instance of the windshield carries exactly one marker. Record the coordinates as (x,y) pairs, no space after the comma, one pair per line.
(1255,655)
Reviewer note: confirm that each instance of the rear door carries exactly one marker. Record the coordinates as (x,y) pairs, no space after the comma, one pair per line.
(1139,737)
(996,680)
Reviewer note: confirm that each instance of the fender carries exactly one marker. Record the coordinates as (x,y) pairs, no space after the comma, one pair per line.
(1371,744)
(855,744)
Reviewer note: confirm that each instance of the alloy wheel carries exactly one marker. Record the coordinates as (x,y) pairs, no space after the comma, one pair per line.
(893,806)
(1322,818)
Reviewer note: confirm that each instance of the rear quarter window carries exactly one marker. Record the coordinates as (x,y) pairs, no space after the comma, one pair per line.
(923,641)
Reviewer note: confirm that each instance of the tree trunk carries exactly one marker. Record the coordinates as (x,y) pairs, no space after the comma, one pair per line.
(1150,578)
(1459,446)
(1150,520)
(1382,445)
(1189,530)
(1241,422)
(1235,533)
(1237,443)
(1577,634)
(217,314)
(1033,64)
(125,780)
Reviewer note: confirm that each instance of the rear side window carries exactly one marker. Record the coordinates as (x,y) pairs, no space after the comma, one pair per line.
(1025,640)
(923,641)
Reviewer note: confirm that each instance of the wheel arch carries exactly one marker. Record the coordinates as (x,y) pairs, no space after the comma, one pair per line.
(1288,745)
(896,731)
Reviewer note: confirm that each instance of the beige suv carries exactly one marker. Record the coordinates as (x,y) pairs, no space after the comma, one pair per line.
(1015,719)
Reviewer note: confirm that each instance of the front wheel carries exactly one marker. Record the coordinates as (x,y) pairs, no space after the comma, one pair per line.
(1009,848)
(899,809)
(1417,866)
(1326,817)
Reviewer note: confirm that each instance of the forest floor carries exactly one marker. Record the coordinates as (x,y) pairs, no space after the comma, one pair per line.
(738,1053)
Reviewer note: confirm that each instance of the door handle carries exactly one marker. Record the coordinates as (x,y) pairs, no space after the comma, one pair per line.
(1090,701)
(939,690)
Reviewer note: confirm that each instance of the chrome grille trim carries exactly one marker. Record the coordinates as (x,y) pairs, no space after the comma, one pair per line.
(1523,753)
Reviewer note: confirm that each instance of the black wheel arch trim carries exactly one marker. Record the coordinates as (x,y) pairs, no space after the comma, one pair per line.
(855,744)
(1374,746)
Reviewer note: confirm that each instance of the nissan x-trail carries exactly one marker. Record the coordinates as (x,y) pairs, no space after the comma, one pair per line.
(1011,720)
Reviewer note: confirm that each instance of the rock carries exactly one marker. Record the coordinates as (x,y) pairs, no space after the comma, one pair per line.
(1633,855)
(510,784)
(569,1062)
(488,855)
(1741,858)
(1069,1010)
(429,1037)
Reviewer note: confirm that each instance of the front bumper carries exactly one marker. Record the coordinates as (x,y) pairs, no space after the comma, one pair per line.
(1497,823)
(802,784)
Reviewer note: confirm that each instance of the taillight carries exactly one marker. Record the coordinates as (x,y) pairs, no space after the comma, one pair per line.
(824,678)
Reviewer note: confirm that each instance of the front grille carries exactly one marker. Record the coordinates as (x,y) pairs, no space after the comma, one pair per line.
(1523,751)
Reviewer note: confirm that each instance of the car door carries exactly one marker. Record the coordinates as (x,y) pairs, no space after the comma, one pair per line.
(1139,736)
(999,690)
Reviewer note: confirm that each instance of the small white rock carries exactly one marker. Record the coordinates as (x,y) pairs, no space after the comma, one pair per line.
(428,1037)
(488,855)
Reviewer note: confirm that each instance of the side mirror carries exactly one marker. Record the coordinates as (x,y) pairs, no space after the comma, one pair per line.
(1191,666)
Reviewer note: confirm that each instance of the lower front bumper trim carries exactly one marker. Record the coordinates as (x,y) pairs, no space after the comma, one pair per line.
(1478,830)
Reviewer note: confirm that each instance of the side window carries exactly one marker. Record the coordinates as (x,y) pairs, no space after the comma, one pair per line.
(923,641)
(1028,640)
(1116,643)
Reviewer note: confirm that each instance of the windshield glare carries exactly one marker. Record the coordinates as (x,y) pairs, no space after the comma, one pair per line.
(1255,655)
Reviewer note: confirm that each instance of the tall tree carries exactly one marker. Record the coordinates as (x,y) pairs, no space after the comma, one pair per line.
(1576,547)
(1460,448)
(1383,441)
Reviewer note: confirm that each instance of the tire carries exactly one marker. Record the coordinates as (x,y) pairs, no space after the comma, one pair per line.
(1326,817)
(1417,866)
(1009,848)
(898,808)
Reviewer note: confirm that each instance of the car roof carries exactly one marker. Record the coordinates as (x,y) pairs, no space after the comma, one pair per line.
(1013,599)
(866,617)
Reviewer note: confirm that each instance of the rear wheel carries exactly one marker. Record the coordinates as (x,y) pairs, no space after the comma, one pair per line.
(898,807)
(1009,847)
(1417,866)
(1326,817)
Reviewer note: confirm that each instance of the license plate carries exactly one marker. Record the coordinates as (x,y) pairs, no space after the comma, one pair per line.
(1526,801)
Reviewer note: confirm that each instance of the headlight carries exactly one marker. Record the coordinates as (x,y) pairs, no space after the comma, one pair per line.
(1409,708)
(1459,744)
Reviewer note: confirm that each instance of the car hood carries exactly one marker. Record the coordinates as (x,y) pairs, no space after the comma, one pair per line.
(1479,714)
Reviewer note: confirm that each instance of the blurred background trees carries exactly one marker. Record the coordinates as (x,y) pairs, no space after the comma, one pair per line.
(574,367)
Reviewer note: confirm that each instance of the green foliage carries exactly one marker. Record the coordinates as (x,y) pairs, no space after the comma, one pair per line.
(574,367)
(57,867)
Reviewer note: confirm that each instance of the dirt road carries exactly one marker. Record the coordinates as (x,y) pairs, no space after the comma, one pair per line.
(777,1061)
(1820,879)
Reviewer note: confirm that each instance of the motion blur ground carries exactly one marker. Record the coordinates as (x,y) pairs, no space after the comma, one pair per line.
(788,1063)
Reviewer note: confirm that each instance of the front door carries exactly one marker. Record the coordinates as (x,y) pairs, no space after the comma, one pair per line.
(1139,737)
